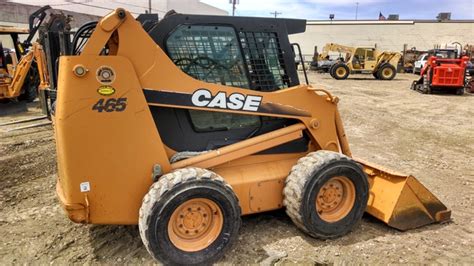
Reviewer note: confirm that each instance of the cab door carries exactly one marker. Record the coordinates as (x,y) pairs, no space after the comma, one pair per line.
(358,59)
(370,60)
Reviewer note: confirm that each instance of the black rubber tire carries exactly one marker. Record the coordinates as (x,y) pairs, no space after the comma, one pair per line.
(304,182)
(330,71)
(167,194)
(384,67)
(460,91)
(375,74)
(338,66)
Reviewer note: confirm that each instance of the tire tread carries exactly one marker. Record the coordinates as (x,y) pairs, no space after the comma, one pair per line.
(300,175)
(166,183)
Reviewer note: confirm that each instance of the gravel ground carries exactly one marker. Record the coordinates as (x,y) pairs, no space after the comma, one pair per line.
(429,136)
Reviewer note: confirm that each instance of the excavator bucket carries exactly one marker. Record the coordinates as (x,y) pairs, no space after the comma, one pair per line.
(401,201)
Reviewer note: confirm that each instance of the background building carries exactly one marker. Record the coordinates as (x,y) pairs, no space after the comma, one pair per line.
(102,7)
(16,13)
(388,35)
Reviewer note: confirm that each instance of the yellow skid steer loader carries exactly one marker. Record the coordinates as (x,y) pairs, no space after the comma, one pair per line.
(142,140)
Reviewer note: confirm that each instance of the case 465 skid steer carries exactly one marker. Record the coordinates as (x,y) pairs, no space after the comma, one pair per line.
(139,141)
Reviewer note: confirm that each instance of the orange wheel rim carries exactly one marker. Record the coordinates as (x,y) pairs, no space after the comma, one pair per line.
(335,199)
(195,224)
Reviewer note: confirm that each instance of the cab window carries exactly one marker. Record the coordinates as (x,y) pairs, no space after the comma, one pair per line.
(212,54)
(370,55)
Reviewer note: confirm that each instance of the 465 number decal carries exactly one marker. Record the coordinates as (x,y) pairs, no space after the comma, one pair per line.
(110,105)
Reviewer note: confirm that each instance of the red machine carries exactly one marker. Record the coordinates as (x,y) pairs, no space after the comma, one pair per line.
(444,70)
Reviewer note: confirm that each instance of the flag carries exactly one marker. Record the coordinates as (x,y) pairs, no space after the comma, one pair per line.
(381,17)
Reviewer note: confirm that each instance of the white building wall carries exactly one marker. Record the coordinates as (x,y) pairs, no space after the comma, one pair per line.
(102,7)
(16,13)
(388,35)
(194,7)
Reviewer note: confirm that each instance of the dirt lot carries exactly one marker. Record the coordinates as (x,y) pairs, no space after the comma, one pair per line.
(430,136)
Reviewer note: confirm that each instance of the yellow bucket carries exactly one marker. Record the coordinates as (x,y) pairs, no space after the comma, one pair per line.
(401,201)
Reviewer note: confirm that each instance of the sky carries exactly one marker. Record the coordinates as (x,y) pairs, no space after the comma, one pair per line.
(346,9)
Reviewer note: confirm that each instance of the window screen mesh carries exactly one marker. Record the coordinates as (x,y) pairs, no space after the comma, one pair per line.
(213,54)
(208,53)
(264,60)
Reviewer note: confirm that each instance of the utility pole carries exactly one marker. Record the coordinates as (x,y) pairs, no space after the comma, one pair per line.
(357,8)
(275,13)
(234,3)
(149,6)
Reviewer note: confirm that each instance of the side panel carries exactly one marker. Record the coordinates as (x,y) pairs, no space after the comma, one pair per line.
(114,151)
(258,180)
(449,75)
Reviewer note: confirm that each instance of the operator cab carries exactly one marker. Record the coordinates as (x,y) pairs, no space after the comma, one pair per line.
(231,51)
(364,58)
(9,48)
(444,53)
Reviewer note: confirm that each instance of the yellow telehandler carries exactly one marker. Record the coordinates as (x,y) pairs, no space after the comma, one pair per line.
(143,139)
(361,60)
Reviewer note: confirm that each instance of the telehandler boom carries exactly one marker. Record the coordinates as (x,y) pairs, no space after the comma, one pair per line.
(129,126)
